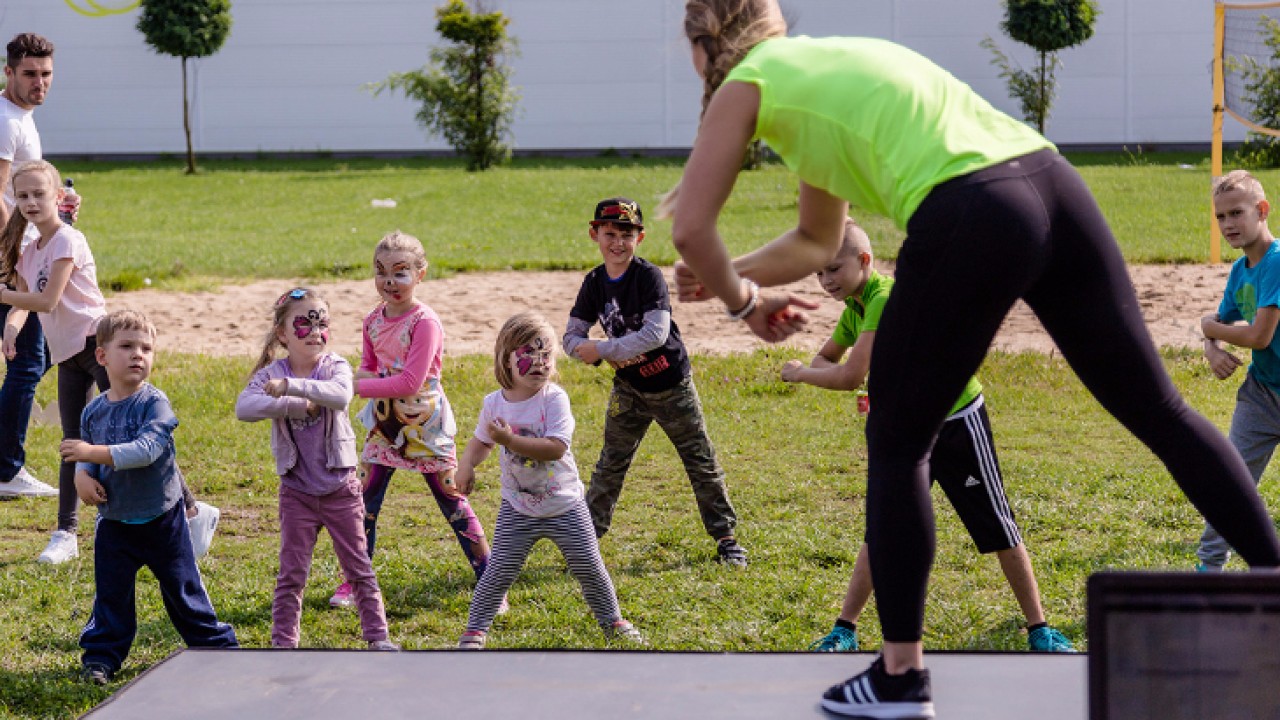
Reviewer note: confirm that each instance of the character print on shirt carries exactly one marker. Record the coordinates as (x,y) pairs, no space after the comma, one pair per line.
(1246,298)
(534,478)
(420,426)
(315,319)
(616,325)
(42,279)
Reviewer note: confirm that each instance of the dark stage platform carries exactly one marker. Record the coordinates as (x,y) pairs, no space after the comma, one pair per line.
(572,685)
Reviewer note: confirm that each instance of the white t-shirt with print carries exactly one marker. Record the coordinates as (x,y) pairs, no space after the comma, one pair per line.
(535,487)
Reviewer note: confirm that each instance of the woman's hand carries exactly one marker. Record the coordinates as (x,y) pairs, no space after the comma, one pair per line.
(778,317)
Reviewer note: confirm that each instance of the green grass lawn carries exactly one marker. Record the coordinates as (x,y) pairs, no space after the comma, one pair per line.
(314,218)
(794,456)
(795,461)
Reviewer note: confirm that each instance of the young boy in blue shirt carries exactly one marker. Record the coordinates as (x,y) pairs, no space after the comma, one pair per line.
(964,458)
(628,296)
(126,465)
(1247,317)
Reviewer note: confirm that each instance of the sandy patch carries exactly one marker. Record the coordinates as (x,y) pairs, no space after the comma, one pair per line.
(233,320)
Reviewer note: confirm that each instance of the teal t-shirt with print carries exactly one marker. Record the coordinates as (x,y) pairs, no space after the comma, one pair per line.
(859,317)
(1250,288)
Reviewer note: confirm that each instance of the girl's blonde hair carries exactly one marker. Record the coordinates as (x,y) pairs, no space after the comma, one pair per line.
(11,235)
(278,316)
(726,30)
(396,241)
(519,330)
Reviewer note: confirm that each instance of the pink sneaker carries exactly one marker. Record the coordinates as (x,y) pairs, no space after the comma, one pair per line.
(343,597)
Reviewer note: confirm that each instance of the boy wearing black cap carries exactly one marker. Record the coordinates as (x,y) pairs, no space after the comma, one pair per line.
(628,296)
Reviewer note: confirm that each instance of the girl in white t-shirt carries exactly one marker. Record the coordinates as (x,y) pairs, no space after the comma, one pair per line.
(542,496)
(57,279)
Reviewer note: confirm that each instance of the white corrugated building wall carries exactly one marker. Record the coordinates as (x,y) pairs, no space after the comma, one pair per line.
(593,74)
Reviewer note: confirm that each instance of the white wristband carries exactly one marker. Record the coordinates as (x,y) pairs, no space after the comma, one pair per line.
(753,292)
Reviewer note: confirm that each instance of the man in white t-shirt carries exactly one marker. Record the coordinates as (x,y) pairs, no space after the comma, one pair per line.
(28,73)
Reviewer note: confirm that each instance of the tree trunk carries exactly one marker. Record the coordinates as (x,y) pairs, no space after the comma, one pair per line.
(186,121)
(1044,96)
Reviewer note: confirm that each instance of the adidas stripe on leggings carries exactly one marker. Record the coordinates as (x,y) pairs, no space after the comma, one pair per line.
(514,536)
(1028,228)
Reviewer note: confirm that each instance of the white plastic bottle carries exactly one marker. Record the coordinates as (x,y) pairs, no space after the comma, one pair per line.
(70,201)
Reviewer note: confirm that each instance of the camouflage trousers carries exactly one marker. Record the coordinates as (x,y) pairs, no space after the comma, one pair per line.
(679,413)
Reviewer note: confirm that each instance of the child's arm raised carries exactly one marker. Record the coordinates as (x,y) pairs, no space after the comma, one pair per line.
(543,449)
(427,342)
(1257,335)
(826,370)
(48,298)
(154,436)
(257,403)
(475,453)
(334,393)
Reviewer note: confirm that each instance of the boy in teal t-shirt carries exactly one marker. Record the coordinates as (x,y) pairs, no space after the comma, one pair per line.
(1252,297)
(964,460)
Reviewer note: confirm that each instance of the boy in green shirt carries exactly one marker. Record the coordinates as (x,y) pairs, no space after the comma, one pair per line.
(963,462)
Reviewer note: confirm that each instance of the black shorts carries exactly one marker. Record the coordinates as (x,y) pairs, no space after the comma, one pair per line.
(965,465)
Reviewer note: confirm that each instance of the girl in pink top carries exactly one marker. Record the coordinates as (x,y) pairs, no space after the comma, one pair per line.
(413,425)
(58,280)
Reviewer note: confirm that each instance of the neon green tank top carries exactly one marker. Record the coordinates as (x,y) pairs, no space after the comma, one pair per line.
(873,122)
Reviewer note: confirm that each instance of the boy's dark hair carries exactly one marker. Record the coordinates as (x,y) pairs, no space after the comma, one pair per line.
(122,320)
(25,45)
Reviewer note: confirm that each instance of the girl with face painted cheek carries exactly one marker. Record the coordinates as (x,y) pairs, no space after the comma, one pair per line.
(305,396)
(542,495)
(401,363)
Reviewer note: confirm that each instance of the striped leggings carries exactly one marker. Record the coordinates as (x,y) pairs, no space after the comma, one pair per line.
(515,534)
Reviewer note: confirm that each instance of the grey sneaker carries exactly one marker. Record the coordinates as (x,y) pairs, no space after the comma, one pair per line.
(471,640)
(623,630)
(384,645)
(24,484)
(729,552)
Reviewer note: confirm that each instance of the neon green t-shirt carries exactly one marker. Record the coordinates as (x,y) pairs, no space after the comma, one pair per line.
(873,122)
(855,320)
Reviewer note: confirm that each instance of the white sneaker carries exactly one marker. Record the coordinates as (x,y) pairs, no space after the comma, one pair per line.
(62,547)
(202,527)
(24,484)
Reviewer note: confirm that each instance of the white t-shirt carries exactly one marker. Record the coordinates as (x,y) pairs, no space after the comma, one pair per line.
(76,315)
(19,141)
(535,487)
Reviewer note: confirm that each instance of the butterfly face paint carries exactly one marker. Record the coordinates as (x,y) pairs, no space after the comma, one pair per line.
(536,354)
(316,319)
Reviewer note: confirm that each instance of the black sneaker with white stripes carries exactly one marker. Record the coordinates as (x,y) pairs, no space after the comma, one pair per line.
(876,694)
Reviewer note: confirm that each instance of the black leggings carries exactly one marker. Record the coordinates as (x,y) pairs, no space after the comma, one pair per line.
(76,377)
(1030,229)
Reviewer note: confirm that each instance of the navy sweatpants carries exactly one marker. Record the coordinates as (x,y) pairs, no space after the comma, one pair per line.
(164,546)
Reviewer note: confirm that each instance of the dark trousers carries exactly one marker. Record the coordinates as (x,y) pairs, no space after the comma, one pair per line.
(77,376)
(1029,229)
(164,546)
(18,392)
